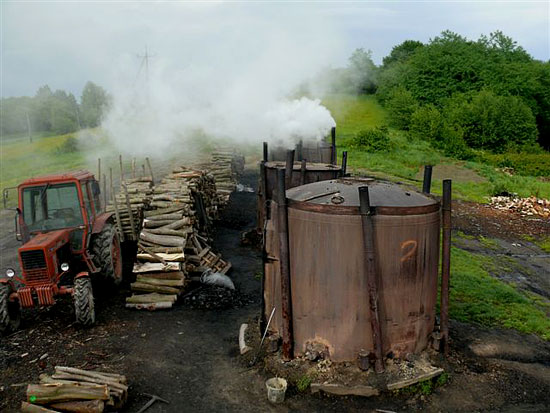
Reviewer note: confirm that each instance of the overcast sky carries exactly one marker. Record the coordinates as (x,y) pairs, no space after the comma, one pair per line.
(64,44)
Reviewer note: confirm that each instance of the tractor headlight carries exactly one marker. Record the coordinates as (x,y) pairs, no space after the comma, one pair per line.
(64,267)
(10,273)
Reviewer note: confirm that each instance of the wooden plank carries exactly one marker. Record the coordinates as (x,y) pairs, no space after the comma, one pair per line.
(343,390)
(408,382)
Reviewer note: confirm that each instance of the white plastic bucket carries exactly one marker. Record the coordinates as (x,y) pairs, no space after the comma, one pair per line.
(276,388)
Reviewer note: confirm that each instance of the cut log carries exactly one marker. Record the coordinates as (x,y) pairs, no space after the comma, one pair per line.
(166,217)
(88,406)
(164,240)
(159,257)
(169,275)
(155,281)
(49,393)
(139,286)
(166,231)
(162,211)
(162,305)
(99,374)
(156,267)
(151,298)
(33,408)
(111,383)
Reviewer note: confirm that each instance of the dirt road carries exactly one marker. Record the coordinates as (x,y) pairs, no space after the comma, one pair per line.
(190,357)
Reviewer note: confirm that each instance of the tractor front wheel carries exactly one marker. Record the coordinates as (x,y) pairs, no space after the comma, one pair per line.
(10,311)
(107,255)
(84,301)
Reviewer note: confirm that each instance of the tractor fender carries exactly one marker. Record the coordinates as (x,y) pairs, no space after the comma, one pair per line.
(100,222)
(82,274)
(7,281)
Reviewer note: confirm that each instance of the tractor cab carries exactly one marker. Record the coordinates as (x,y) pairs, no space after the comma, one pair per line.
(67,238)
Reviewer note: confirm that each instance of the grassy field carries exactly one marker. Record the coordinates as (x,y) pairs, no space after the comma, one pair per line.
(472,181)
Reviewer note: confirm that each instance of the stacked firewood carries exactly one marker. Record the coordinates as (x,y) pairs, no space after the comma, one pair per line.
(128,205)
(226,166)
(531,206)
(174,239)
(75,390)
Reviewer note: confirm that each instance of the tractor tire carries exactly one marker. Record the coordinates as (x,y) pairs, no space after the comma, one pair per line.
(10,312)
(107,254)
(84,301)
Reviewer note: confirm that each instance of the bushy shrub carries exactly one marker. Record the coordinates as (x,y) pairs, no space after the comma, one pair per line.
(372,140)
(401,105)
(489,121)
(428,123)
(68,146)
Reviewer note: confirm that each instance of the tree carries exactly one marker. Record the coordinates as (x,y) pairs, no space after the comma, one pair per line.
(402,52)
(94,101)
(362,71)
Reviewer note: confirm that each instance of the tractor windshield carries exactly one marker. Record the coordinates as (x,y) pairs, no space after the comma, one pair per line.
(49,207)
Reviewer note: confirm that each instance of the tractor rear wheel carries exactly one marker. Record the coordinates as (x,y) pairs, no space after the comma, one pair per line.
(84,301)
(107,255)
(10,311)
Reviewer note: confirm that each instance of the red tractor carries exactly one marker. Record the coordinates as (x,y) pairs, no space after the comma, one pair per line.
(68,239)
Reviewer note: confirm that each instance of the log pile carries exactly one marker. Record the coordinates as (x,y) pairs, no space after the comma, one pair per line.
(74,390)
(226,166)
(173,240)
(128,205)
(531,206)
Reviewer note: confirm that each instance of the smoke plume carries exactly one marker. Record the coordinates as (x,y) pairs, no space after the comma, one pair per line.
(240,85)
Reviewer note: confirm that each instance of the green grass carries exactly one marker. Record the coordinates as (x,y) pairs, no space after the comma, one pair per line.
(477,297)
(407,158)
(21,159)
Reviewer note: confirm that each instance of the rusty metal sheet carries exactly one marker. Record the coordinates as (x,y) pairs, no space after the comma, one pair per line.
(329,289)
(344,192)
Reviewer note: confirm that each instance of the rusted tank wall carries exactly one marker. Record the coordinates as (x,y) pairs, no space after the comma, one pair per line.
(272,273)
(328,281)
(318,152)
(315,172)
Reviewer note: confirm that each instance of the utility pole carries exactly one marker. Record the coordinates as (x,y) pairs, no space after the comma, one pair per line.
(28,126)
(145,62)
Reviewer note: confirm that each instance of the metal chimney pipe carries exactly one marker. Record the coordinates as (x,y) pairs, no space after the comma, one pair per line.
(446,263)
(284,262)
(289,166)
(370,270)
(303,168)
(265,152)
(344,162)
(333,147)
(427,182)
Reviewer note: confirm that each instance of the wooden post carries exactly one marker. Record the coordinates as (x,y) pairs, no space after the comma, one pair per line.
(133,167)
(130,213)
(121,170)
(99,169)
(284,262)
(104,193)
(143,169)
(117,214)
(150,169)
(370,271)
(446,263)
(111,183)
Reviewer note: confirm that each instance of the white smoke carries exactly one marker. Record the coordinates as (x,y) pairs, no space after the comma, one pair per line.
(237,86)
